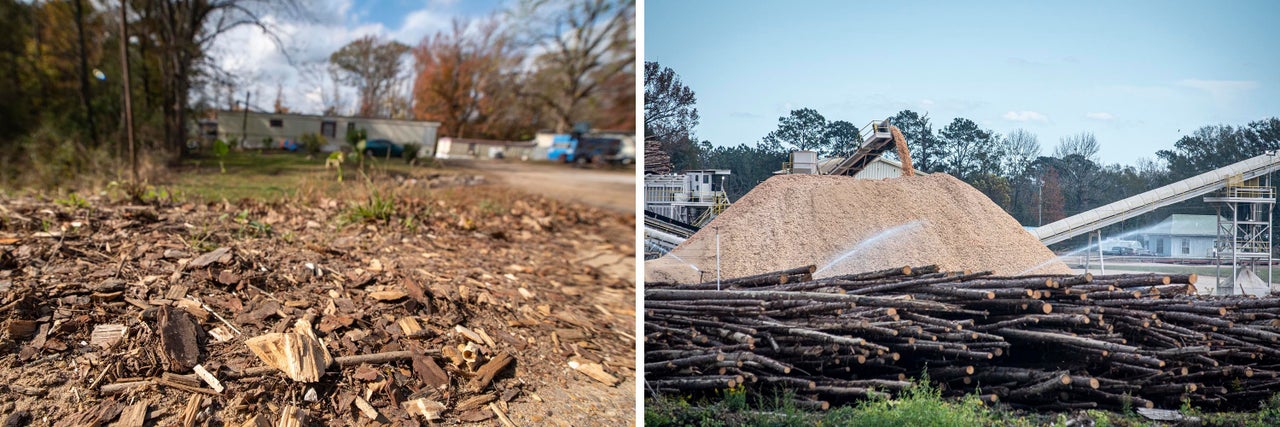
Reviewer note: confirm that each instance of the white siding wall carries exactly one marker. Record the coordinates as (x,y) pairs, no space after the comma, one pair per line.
(1199,246)
(878,170)
(294,126)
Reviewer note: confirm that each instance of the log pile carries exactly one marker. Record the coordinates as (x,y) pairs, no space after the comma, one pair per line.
(656,160)
(1043,342)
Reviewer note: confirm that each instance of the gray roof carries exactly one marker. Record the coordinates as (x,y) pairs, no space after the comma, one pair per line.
(1186,225)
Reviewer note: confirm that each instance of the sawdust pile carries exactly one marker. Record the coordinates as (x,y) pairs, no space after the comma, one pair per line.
(845,225)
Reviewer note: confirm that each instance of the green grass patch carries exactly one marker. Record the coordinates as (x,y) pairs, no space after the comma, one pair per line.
(919,406)
(271,177)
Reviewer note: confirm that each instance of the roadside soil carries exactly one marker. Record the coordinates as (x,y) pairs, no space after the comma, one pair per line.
(606,188)
(548,282)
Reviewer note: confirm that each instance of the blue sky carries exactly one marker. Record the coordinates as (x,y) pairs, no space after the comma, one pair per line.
(1138,74)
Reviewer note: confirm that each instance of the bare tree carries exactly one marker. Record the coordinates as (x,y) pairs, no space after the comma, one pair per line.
(587,42)
(185,30)
(373,67)
(1022,148)
(1083,144)
(670,110)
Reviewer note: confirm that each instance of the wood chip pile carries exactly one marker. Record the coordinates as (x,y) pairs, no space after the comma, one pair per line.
(1046,342)
(278,314)
(845,225)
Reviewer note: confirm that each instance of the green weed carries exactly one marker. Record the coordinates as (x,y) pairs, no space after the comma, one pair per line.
(74,201)
(376,209)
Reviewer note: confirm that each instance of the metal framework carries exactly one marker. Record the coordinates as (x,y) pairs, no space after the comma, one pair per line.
(1129,207)
(1244,235)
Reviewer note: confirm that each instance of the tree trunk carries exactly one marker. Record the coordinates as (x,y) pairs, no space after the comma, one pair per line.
(86,95)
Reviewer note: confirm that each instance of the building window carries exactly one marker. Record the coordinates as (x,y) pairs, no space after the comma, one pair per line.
(329,129)
(277,123)
(1186,246)
(351,126)
(1159,246)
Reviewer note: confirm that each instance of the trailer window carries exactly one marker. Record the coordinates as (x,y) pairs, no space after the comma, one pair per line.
(277,123)
(329,128)
(1186,246)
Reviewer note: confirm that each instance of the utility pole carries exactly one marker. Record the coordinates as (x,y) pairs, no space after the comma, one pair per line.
(244,123)
(1041,220)
(128,109)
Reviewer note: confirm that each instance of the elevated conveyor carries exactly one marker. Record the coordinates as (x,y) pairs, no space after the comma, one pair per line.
(876,139)
(1133,206)
(668,225)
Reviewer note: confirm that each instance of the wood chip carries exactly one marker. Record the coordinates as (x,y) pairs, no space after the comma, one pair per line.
(221,255)
(425,408)
(366,409)
(228,277)
(486,373)
(388,296)
(502,416)
(470,334)
(20,329)
(299,356)
(256,421)
(474,402)
(194,308)
(409,325)
(208,378)
(108,335)
(133,416)
(189,413)
(179,341)
(292,416)
(487,340)
(429,372)
(593,370)
(221,334)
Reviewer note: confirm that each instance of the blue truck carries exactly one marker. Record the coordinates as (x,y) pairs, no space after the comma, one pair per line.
(581,149)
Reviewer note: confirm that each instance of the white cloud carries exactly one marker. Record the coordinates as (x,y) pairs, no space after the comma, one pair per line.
(420,23)
(1025,116)
(1100,116)
(259,65)
(1220,88)
(926,103)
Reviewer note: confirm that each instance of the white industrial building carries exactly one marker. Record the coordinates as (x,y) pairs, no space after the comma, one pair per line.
(278,128)
(692,197)
(1182,236)
(807,162)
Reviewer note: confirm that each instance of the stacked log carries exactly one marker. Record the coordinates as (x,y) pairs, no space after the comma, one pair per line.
(1044,342)
(656,160)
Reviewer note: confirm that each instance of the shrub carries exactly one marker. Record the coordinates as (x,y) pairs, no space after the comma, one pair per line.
(411,153)
(312,143)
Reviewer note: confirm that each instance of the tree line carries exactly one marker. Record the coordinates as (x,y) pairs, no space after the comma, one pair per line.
(1034,185)
(538,64)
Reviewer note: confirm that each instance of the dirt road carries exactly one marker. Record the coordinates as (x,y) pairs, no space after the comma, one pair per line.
(611,189)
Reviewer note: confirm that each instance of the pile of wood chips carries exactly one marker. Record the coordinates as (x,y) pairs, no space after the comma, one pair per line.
(845,225)
(285,314)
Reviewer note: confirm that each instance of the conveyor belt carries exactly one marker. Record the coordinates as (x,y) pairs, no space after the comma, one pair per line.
(1130,207)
